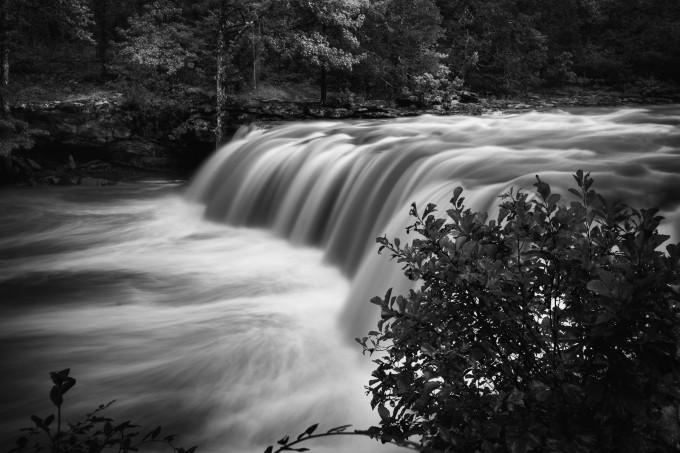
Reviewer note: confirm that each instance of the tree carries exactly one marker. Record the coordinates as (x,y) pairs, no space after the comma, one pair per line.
(401,38)
(176,35)
(30,20)
(553,327)
(233,20)
(160,39)
(323,33)
(107,15)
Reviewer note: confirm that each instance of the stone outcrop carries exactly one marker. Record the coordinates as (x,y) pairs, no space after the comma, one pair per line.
(96,140)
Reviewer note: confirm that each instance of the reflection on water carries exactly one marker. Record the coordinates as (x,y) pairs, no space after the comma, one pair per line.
(228,334)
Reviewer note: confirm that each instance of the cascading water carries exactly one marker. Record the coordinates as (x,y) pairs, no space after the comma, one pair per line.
(339,185)
(229,335)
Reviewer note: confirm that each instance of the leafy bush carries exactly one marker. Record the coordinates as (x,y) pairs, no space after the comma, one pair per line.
(94,434)
(552,328)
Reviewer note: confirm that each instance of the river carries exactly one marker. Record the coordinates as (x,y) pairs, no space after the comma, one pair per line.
(224,309)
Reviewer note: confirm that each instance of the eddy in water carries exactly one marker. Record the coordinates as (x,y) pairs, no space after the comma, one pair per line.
(224,313)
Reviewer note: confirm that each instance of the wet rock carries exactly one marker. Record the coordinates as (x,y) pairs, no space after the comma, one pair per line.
(51,180)
(468,97)
(90,181)
(142,154)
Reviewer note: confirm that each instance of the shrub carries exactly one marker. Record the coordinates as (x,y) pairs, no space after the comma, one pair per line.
(94,434)
(552,328)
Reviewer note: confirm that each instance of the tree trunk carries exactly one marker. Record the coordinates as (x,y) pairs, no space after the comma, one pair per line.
(323,84)
(5,149)
(221,76)
(103,42)
(4,62)
(255,55)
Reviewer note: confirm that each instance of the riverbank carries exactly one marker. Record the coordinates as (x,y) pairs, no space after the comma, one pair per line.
(96,137)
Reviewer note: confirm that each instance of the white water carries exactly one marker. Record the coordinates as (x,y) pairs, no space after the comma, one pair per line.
(232,336)
(339,185)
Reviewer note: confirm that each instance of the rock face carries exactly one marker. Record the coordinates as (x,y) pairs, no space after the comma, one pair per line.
(82,123)
(92,141)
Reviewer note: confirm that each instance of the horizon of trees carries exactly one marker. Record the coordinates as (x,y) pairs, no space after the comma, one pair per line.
(418,51)
(382,48)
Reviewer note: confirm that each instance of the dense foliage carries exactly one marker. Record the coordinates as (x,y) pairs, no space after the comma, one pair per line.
(185,62)
(551,328)
(373,47)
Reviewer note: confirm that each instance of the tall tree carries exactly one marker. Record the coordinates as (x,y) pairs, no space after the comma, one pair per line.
(161,38)
(323,34)
(401,37)
(24,21)
(234,19)
(107,15)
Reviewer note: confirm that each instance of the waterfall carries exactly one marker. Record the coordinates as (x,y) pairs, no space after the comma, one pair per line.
(233,332)
(338,185)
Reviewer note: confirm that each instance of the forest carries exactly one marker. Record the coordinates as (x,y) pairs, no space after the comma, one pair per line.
(186,74)
(372,48)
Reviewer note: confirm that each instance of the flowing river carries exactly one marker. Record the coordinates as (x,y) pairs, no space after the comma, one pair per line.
(225,309)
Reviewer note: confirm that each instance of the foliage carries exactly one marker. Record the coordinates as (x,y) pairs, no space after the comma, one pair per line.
(30,21)
(401,41)
(15,134)
(322,34)
(561,71)
(95,433)
(552,328)
(160,39)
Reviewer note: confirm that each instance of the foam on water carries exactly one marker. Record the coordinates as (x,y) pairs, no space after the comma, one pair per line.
(339,185)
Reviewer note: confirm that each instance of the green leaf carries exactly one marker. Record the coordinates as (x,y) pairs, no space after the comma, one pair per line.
(56,396)
(338,429)
(542,188)
(283,441)
(269,449)
(605,317)
(37,420)
(311,429)
(456,193)
(554,199)
(598,287)
(384,413)
(108,429)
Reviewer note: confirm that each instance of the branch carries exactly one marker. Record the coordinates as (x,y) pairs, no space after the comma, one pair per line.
(337,431)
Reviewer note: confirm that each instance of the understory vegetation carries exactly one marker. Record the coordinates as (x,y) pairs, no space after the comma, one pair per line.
(95,433)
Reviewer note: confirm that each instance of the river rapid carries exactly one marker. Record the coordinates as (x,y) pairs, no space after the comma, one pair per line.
(224,309)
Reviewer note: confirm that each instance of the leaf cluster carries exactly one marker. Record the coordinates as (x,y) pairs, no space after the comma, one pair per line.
(551,328)
(95,433)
